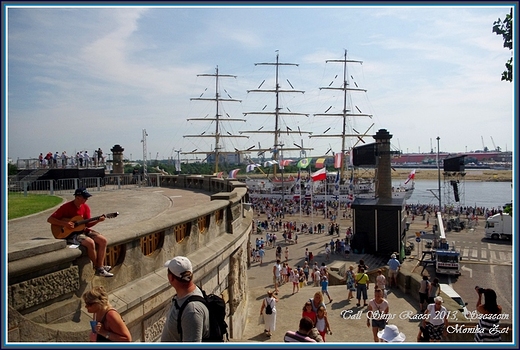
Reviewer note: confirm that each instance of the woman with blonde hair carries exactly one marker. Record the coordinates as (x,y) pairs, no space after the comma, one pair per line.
(109,326)
(269,304)
(317,301)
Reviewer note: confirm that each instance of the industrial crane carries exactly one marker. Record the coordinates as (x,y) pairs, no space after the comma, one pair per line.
(496,148)
(484,148)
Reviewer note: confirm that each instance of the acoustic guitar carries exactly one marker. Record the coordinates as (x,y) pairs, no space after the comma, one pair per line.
(79,225)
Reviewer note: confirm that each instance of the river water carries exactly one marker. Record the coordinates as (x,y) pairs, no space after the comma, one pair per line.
(471,193)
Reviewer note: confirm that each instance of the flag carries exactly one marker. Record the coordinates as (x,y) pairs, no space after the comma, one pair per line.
(251,167)
(285,162)
(410,177)
(270,163)
(319,175)
(336,182)
(303,163)
(219,174)
(320,163)
(177,165)
(338,159)
(233,174)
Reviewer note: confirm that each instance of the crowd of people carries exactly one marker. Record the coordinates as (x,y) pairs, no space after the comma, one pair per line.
(81,159)
(193,323)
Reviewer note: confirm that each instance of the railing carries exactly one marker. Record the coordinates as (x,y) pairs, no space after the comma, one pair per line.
(66,186)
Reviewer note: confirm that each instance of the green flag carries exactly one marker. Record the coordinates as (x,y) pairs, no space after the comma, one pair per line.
(303,163)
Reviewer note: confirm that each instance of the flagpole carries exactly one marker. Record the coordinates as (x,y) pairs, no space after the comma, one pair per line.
(311,188)
(326,183)
(300,193)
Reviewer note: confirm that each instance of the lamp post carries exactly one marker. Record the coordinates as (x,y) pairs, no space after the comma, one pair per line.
(178,165)
(439,174)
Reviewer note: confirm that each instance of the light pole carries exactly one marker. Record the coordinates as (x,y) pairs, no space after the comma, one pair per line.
(178,165)
(439,173)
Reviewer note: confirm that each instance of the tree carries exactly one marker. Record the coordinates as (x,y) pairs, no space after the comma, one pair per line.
(504,28)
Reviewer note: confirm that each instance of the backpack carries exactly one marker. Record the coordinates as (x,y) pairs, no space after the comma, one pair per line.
(268,309)
(217,316)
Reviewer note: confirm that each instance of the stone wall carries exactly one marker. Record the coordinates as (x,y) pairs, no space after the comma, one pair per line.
(44,291)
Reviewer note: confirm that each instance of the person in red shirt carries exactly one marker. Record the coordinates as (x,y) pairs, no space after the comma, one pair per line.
(307,311)
(93,241)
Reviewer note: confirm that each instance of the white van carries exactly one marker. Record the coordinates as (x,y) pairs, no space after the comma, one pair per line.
(451,293)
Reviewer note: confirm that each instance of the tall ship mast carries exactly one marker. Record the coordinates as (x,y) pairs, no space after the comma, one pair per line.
(278,113)
(347,113)
(217,119)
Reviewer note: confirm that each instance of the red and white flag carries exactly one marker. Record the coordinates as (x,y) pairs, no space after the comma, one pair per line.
(233,174)
(410,177)
(338,159)
(319,175)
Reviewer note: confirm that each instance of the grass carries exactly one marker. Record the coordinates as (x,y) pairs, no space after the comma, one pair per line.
(18,205)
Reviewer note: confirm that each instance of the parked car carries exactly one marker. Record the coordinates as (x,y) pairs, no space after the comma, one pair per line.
(451,293)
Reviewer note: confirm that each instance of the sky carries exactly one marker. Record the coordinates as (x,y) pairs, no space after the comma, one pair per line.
(87,77)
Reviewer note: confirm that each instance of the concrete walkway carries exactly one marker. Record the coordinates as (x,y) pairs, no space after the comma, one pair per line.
(289,308)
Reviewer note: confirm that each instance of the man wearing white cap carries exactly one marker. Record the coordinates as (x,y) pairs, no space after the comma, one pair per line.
(195,317)
(393,268)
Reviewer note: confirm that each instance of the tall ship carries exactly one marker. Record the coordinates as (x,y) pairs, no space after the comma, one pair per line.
(218,154)
(347,181)
(276,184)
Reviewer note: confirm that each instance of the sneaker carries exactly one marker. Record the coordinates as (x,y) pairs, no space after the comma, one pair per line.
(107,268)
(102,272)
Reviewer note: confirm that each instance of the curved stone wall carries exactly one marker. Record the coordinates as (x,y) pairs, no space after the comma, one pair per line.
(44,292)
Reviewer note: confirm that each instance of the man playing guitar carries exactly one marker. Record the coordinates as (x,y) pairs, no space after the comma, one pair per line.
(94,242)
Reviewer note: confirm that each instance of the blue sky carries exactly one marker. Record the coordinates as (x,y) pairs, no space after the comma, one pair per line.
(79,78)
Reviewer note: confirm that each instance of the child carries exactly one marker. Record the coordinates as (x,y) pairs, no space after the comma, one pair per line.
(325,287)
(322,323)
(327,252)
(295,278)
(307,311)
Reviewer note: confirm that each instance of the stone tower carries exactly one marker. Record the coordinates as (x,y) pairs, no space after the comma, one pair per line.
(383,169)
(118,163)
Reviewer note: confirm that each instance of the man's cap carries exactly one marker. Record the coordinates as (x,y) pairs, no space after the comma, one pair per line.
(82,192)
(180,266)
(393,256)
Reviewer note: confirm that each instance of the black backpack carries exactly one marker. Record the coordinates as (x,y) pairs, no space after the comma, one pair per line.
(268,308)
(217,316)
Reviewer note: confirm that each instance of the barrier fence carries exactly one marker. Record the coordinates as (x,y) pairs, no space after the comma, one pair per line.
(67,186)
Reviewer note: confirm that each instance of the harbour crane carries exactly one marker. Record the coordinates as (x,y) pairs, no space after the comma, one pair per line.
(497,149)
(484,148)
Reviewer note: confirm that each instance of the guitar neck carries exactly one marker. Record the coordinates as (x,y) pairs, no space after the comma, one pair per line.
(82,222)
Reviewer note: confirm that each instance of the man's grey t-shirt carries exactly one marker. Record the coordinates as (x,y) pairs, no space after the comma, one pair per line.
(195,321)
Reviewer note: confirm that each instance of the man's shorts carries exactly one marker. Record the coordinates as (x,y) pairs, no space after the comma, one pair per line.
(76,237)
(392,273)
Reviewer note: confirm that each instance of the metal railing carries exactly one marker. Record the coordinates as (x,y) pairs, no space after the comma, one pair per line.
(67,186)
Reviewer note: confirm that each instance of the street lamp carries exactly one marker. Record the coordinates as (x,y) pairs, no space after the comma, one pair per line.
(178,165)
